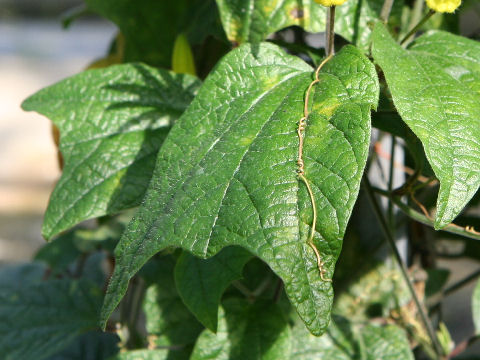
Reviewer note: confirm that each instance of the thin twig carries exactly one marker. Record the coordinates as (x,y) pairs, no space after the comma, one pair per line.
(330,31)
(418,26)
(243,289)
(391,241)
(386,10)
(391,217)
(461,283)
(462,346)
(417,216)
(278,291)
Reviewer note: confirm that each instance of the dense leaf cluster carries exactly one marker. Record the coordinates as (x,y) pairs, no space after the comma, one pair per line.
(193,181)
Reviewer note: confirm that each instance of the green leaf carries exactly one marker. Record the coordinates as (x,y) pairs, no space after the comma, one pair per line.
(168,322)
(258,331)
(253,20)
(39,319)
(16,276)
(386,342)
(112,122)
(345,340)
(476,308)
(442,110)
(150,27)
(374,293)
(161,354)
(93,345)
(436,281)
(59,254)
(201,282)
(354,20)
(227,173)
(456,55)
(182,57)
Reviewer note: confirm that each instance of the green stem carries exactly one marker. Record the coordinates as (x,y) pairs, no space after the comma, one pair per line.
(391,217)
(461,283)
(391,242)
(386,10)
(417,216)
(243,289)
(418,26)
(330,31)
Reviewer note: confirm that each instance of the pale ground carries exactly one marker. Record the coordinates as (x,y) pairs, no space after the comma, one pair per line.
(34,55)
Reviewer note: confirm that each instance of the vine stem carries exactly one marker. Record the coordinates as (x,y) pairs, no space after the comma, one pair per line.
(458,285)
(386,10)
(412,32)
(391,216)
(330,31)
(391,242)
(302,124)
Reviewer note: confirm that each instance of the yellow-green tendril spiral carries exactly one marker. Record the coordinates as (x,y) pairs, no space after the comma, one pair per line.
(302,124)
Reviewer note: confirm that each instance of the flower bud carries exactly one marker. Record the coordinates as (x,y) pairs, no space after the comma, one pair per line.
(444,6)
(331,2)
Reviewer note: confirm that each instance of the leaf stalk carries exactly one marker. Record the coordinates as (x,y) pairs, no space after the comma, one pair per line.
(467,232)
(391,242)
(386,10)
(330,32)
(414,30)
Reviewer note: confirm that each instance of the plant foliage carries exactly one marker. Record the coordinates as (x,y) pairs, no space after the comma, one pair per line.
(228,196)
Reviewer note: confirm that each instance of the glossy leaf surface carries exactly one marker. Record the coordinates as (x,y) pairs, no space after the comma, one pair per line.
(112,122)
(439,104)
(227,173)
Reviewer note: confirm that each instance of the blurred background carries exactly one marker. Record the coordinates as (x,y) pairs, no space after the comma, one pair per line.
(35,51)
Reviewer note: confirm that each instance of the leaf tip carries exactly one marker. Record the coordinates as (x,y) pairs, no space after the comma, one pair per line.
(443,217)
(27,104)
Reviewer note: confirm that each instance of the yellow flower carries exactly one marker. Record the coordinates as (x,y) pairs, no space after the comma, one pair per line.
(443,6)
(331,2)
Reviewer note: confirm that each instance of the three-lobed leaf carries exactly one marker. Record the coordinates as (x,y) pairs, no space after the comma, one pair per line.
(227,173)
(112,122)
(435,94)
